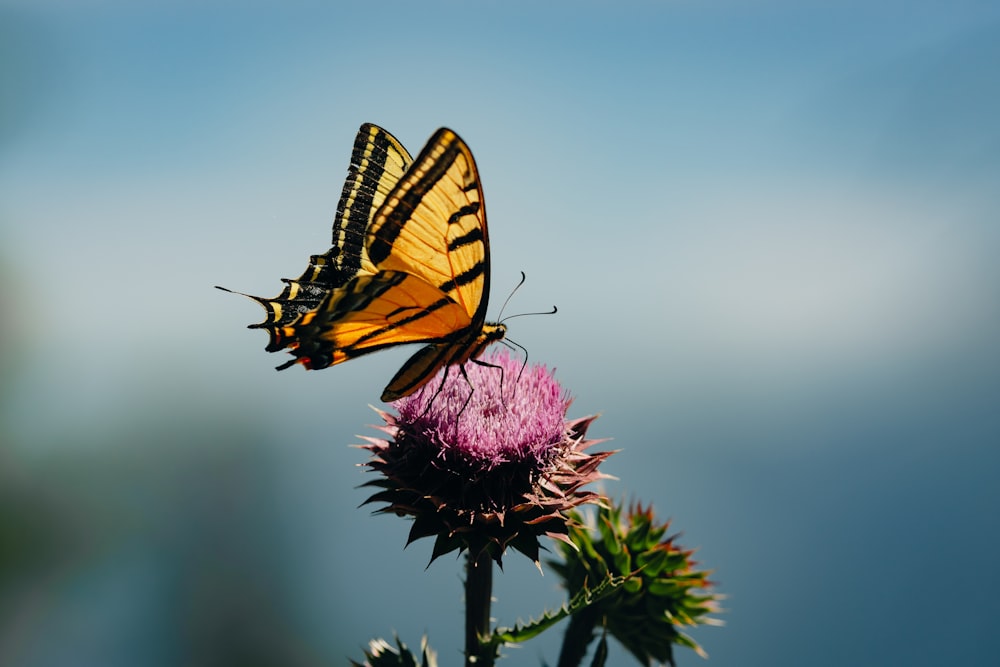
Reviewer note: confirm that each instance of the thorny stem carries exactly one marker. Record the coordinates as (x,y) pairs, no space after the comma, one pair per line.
(478,592)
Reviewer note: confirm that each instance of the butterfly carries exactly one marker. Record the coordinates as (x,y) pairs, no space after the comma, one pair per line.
(410,263)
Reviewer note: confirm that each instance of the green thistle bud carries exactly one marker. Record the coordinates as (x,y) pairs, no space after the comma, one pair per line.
(664,591)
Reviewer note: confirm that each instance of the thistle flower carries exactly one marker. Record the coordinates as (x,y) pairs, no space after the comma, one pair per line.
(660,596)
(483,472)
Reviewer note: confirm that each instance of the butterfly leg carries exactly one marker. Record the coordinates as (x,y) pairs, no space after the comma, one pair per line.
(472,388)
(444,379)
(512,345)
(437,392)
(503,399)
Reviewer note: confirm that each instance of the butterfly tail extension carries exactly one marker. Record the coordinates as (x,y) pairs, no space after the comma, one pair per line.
(283,310)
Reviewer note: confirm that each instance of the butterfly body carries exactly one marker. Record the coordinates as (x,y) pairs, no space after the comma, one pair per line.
(409,264)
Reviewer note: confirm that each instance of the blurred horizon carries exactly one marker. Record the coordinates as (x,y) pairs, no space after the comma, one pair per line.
(770,229)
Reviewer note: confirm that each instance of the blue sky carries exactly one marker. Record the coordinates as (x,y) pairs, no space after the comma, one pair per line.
(770,229)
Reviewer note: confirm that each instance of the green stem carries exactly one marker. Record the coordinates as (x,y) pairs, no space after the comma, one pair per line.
(478,594)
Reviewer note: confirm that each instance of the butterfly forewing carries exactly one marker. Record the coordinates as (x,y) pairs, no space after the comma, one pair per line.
(433,225)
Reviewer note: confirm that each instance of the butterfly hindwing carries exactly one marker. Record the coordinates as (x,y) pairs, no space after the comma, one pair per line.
(373,312)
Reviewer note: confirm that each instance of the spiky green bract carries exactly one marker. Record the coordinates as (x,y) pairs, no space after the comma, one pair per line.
(381,654)
(663,593)
(486,472)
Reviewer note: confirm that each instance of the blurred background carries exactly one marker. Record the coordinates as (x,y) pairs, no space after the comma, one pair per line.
(771,229)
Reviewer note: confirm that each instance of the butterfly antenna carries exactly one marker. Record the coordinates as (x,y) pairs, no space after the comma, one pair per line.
(510,317)
(516,287)
(545,312)
(507,300)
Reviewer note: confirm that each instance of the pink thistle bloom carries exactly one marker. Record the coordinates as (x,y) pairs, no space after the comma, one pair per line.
(489,471)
